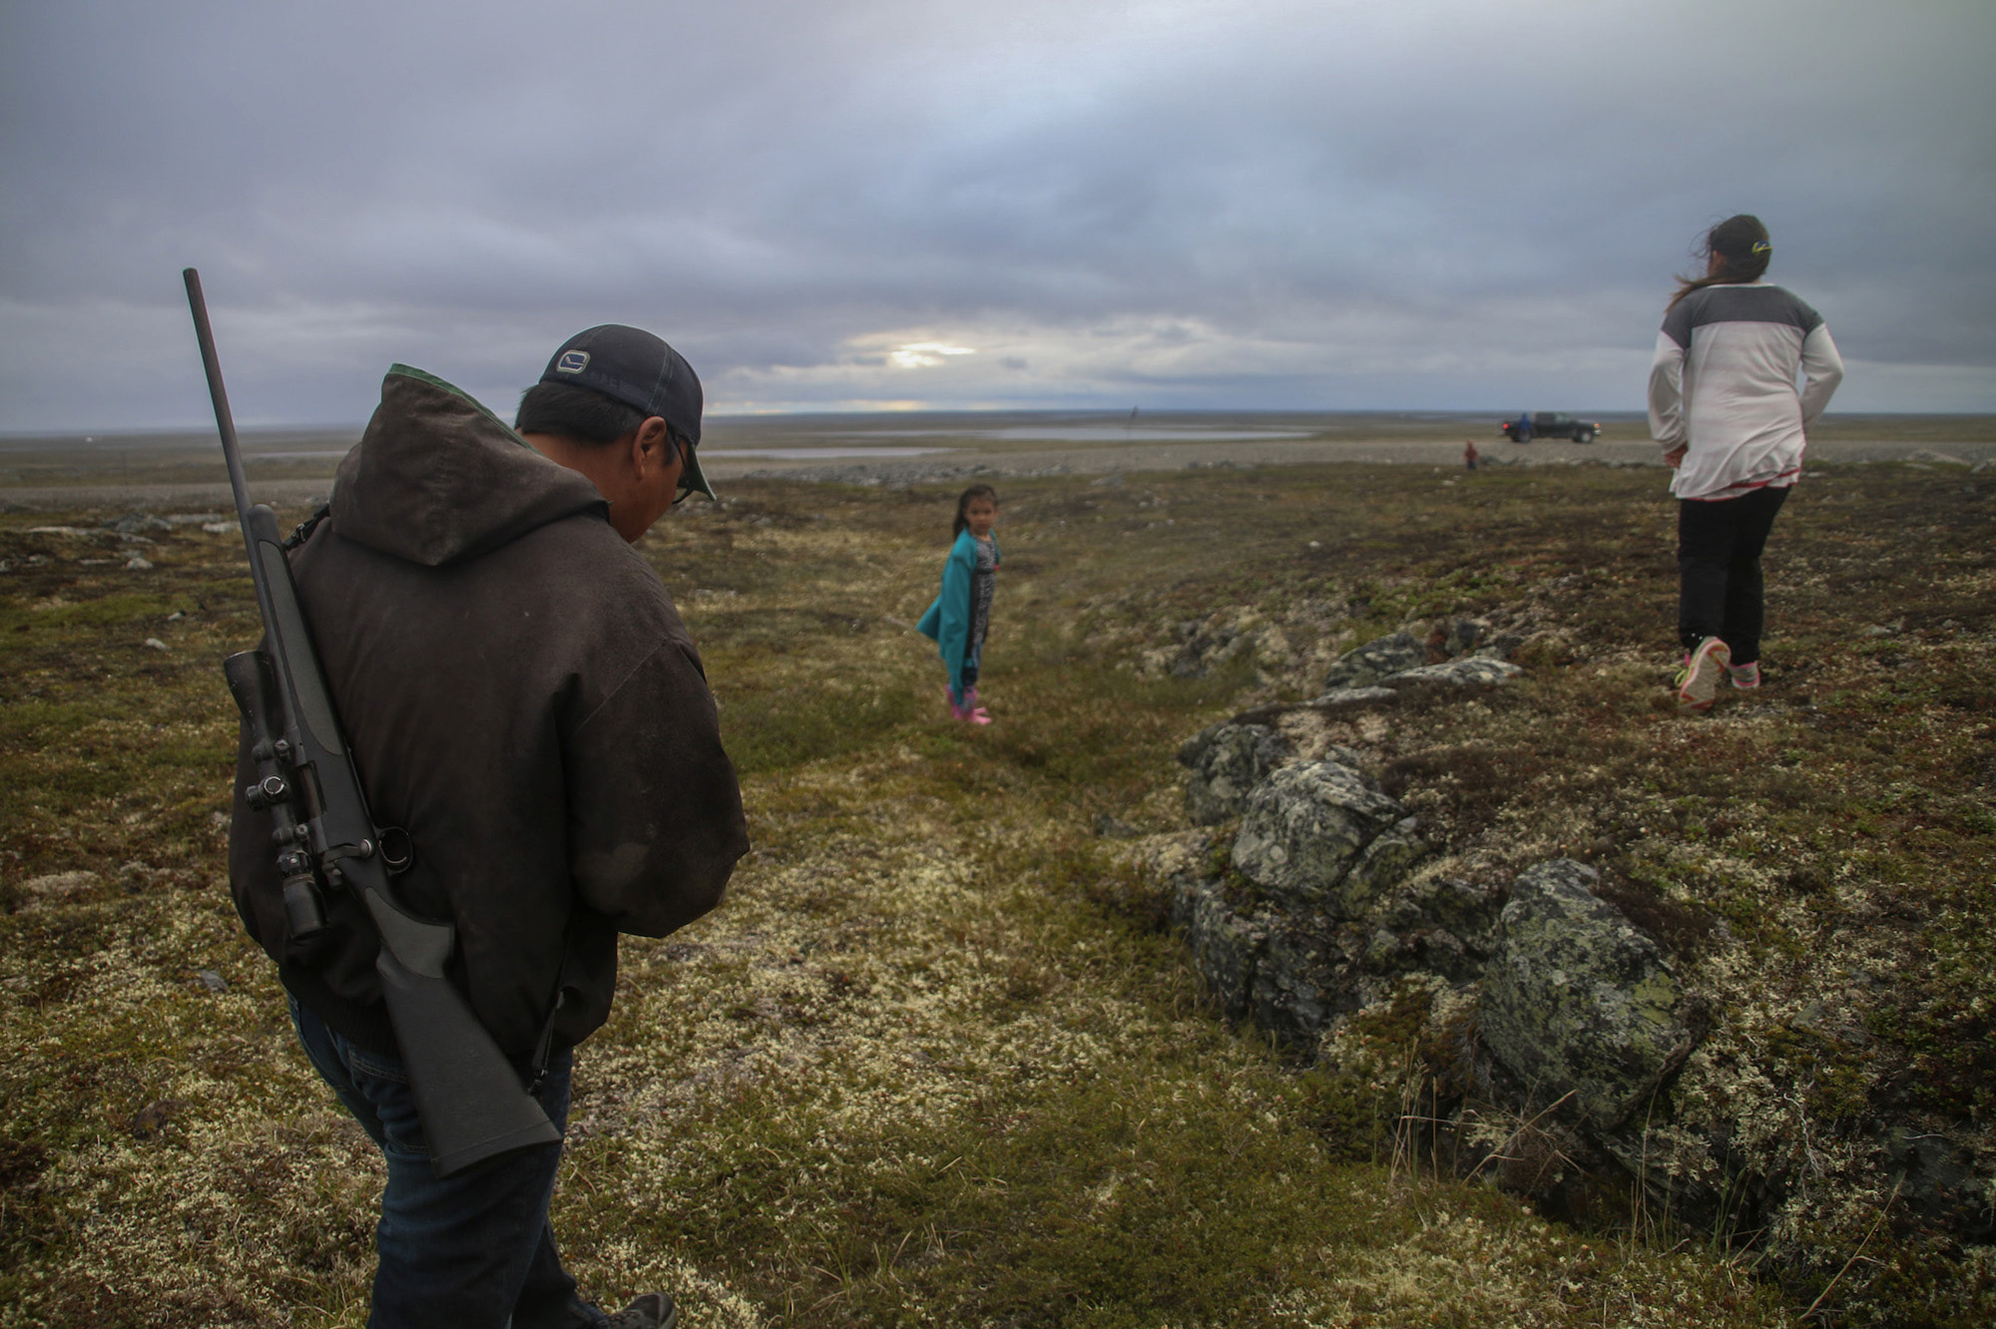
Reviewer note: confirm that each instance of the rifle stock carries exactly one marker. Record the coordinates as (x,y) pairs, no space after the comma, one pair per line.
(469,1097)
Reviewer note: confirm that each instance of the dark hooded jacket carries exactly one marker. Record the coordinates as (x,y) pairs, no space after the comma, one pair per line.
(519,695)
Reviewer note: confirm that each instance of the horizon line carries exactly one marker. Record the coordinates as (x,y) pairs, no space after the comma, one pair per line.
(1113,413)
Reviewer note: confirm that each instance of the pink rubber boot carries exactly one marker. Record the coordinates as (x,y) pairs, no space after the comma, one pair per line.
(975,714)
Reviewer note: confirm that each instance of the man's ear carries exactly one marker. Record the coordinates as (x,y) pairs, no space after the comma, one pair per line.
(651,445)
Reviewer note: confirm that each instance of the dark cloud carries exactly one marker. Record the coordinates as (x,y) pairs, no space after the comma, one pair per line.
(1230,204)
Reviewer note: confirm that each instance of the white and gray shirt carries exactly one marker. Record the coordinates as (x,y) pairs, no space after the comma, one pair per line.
(1723,382)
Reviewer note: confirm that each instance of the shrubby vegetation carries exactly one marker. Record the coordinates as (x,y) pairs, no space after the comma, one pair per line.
(940,1061)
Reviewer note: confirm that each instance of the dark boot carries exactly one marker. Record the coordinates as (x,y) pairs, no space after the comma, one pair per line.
(654,1310)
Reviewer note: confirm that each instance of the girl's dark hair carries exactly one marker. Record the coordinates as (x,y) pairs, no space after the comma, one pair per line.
(1742,247)
(575,413)
(963,501)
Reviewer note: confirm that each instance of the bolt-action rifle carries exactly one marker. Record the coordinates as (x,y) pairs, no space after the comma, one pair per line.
(469,1097)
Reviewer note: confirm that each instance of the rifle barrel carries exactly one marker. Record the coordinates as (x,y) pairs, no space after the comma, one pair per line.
(224,421)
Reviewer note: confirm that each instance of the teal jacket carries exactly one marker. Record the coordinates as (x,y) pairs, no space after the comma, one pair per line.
(948,619)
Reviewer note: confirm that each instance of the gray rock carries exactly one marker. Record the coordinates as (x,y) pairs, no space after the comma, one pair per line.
(1226,946)
(1464,636)
(1207,643)
(1294,992)
(132,523)
(1473,671)
(1226,761)
(1260,968)
(1319,837)
(1340,701)
(1365,665)
(1295,974)
(1385,862)
(1342,755)
(1577,1001)
(1937,1179)
(1438,926)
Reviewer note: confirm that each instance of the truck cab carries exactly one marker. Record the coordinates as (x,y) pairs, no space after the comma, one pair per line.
(1549,424)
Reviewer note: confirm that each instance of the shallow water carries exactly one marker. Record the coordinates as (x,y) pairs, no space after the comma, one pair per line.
(811,454)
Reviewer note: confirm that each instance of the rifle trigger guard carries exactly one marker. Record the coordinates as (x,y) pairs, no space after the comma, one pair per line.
(398,851)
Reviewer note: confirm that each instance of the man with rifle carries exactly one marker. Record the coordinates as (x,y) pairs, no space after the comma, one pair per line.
(509,682)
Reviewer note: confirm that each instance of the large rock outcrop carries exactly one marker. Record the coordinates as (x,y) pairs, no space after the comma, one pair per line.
(1578,1002)
(1365,665)
(1550,1027)
(1287,941)
(1225,761)
(1321,838)
(1471,671)
(1381,659)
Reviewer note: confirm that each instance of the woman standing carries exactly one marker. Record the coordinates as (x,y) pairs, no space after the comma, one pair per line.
(1724,404)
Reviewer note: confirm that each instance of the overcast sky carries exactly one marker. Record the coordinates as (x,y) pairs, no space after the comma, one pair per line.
(864,204)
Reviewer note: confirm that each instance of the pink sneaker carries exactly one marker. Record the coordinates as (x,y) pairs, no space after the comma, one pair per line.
(1745,677)
(1698,682)
(967,709)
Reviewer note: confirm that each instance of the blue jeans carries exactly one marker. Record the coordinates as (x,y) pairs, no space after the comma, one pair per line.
(473,1250)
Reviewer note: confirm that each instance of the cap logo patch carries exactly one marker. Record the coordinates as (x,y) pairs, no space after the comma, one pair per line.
(572,362)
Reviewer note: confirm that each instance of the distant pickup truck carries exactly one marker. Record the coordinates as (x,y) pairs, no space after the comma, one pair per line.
(1549,424)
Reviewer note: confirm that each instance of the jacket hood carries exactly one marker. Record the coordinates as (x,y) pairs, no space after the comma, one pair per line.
(438,479)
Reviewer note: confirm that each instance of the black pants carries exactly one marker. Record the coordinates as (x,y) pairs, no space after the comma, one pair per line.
(1719,592)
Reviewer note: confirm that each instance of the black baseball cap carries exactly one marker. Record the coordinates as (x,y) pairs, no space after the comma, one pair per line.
(638,369)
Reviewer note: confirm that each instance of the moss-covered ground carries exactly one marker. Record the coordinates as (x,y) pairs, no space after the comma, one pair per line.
(938,1061)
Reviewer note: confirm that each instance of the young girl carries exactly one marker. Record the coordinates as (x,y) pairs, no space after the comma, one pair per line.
(960,615)
(1723,402)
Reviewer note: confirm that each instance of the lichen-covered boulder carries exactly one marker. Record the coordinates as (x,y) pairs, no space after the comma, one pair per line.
(1226,945)
(1343,701)
(1290,994)
(1472,671)
(1463,635)
(1320,838)
(1365,665)
(1577,1001)
(1226,761)
(1440,926)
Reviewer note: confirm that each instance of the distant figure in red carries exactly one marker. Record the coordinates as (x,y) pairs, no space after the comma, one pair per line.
(1469,453)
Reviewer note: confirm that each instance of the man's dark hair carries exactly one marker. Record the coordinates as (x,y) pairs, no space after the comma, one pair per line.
(577,413)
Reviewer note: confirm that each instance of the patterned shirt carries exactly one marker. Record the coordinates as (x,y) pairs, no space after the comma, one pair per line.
(983,582)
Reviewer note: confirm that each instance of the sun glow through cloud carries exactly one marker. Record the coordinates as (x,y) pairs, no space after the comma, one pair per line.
(922,354)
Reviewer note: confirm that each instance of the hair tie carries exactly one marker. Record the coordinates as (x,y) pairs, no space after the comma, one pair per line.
(1762,247)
